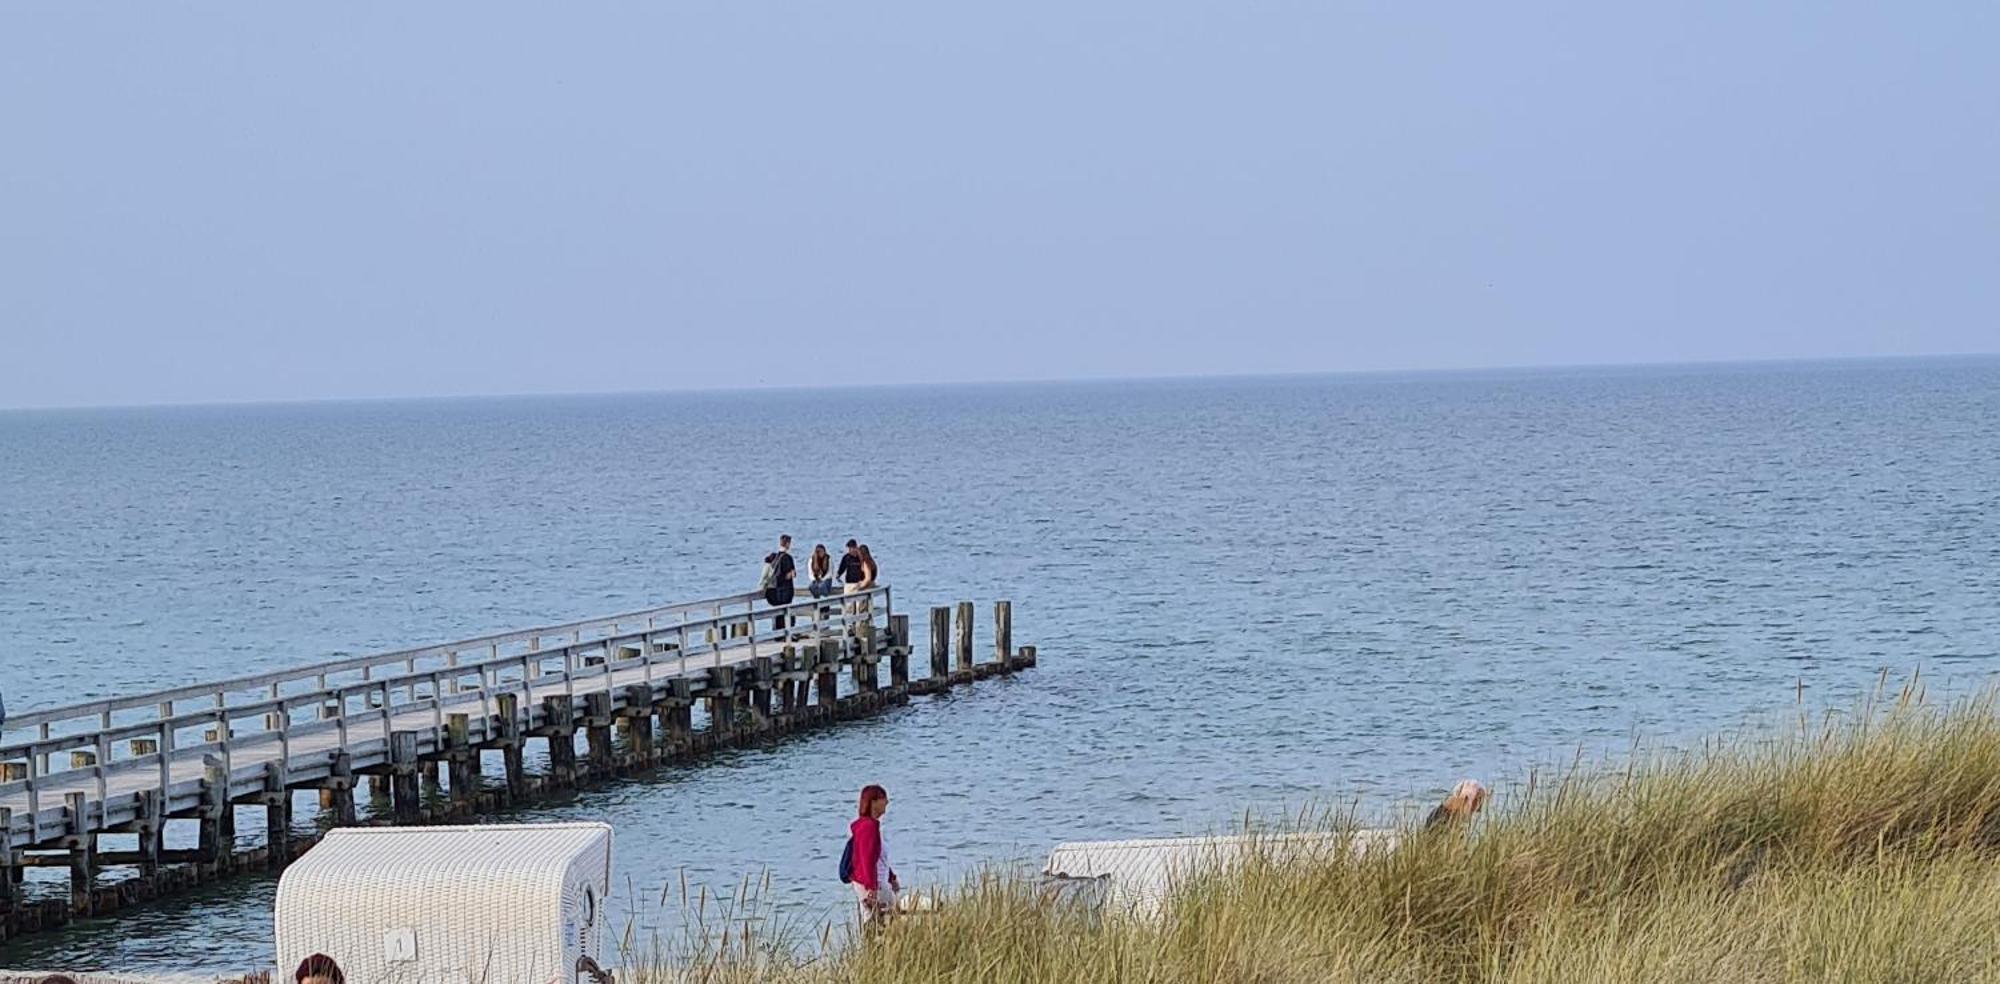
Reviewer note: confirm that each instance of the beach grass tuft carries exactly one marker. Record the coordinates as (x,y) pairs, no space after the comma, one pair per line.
(1861,846)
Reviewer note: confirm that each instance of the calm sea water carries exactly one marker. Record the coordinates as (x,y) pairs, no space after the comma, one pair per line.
(1247,594)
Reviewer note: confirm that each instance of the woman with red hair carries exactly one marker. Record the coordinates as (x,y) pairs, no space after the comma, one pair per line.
(875,881)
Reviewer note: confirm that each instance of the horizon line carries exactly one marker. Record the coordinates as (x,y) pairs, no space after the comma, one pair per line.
(1017,381)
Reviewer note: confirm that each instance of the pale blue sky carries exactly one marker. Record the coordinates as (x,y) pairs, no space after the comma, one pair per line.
(283,201)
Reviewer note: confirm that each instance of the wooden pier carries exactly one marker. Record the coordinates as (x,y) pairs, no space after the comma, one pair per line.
(438,733)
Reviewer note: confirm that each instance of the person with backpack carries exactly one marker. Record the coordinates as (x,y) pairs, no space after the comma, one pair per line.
(864,864)
(780,575)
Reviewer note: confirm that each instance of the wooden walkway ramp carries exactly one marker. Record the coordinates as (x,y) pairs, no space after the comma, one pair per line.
(439,732)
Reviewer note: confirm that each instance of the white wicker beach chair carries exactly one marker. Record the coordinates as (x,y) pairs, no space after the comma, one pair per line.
(1136,877)
(502,904)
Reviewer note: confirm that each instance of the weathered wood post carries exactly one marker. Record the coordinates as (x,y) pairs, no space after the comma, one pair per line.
(965,663)
(462,762)
(597,732)
(80,842)
(404,791)
(762,676)
(827,672)
(337,793)
(899,668)
(380,791)
(899,631)
(8,865)
(864,660)
(677,713)
(721,704)
(560,728)
(149,826)
(791,683)
(328,711)
(636,720)
(277,800)
(1003,635)
(940,643)
(508,728)
(214,844)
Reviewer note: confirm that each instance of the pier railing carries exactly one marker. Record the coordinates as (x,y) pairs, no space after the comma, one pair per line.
(109,740)
(426,727)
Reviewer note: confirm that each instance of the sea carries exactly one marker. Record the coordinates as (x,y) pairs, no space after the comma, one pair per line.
(1252,597)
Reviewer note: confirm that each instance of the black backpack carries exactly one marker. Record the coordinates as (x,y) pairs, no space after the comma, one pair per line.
(847,862)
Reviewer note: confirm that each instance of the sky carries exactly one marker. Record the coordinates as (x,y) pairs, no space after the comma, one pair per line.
(223,202)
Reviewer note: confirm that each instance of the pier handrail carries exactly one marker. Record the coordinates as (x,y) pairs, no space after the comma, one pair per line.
(602,627)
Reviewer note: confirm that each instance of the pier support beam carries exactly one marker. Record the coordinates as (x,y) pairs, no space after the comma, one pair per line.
(762,676)
(461,762)
(636,721)
(1003,635)
(336,795)
(277,817)
(8,865)
(676,713)
(826,675)
(508,724)
(560,728)
(212,845)
(940,643)
(10,892)
(721,705)
(82,846)
(965,668)
(404,791)
(597,732)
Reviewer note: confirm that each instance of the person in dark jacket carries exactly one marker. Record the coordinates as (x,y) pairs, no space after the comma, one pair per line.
(786,573)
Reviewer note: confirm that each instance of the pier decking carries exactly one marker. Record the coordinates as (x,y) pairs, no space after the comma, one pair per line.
(643,687)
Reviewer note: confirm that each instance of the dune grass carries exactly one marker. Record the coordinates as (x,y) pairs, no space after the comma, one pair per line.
(1852,847)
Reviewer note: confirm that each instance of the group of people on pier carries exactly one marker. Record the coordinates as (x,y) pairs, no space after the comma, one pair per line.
(857,573)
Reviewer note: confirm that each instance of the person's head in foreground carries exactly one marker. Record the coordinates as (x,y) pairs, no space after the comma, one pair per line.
(874,801)
(319,969)
(1465,800)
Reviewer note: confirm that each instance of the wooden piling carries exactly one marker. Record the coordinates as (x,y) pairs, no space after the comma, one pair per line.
(899,669)
(213,846)
(762,677)
(561,730)
(722,704)
(965,665)
(81,844)
(826,672)
(1003,635)
(8,865)
(507,725)
(597,731)
(461,761)
(637,722)
(405,794)
(151,828)
(277,816)
(337,798)
(940,642)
